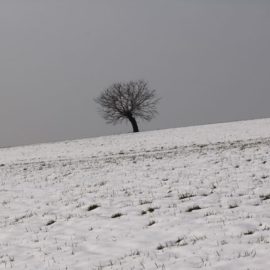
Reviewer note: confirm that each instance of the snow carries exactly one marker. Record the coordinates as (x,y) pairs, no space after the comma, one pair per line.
(185,198)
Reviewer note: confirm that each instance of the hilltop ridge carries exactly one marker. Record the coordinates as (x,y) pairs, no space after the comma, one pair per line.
(203,134)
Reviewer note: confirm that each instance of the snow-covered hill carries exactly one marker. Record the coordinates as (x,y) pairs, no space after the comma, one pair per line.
(185,198)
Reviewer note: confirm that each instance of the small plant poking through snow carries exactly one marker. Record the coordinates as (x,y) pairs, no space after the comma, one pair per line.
(265,197)
(152,209)
(149,210)
(142,202)
(92,207)
(50,222)
(193,208)
(233,205)
(151,223)
(143,212)
(179,242)
(250,232)
(117,215)
(160,247)
(186,195)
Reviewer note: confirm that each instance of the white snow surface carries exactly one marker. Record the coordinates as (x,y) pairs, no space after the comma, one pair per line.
(187,198)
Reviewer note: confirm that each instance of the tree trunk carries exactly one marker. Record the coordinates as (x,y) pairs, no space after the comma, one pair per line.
(134,124)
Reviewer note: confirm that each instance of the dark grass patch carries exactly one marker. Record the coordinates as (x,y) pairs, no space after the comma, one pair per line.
(265,197)
(179,240)
(142,202)
(151,223)
(50,222)
(117,215)
(160,247)
(249,233)
(92,207)
(206,194)
(152,209)
(185,196)
(149,210)
(202,145)
(193,208)
(232,206)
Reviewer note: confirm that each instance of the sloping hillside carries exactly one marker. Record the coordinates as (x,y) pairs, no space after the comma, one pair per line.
(185,198)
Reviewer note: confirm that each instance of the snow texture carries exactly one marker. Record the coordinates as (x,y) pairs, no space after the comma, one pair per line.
(188,198)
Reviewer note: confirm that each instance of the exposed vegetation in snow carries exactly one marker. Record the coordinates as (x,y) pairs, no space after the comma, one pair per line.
(174,199)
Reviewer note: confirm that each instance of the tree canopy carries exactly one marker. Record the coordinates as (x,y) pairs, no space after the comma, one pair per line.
(128,101)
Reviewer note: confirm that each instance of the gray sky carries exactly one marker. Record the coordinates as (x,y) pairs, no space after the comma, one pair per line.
(209,60)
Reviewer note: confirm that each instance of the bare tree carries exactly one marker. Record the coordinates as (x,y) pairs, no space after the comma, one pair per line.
(128,101)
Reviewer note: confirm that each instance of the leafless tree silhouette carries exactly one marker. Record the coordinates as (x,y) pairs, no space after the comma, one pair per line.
(128,101)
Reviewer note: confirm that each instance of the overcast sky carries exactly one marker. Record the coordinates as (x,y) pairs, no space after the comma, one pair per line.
(209,60)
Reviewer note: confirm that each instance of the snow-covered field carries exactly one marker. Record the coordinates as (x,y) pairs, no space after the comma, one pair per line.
(186,198)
